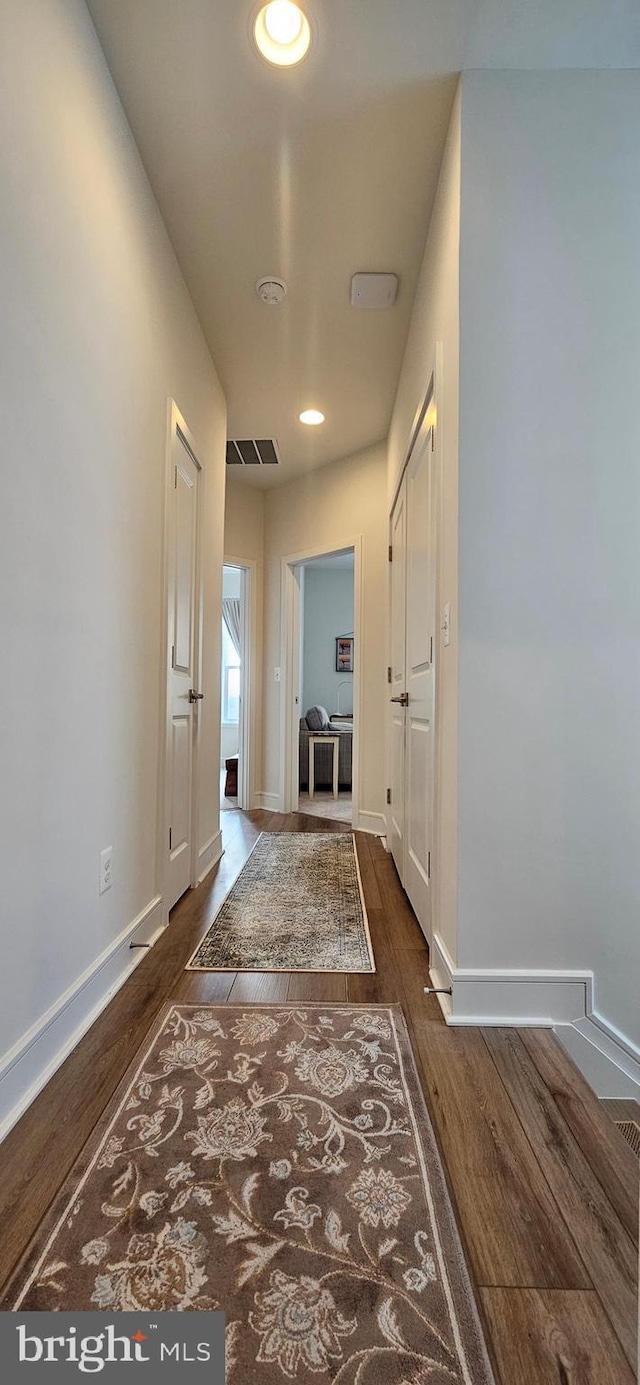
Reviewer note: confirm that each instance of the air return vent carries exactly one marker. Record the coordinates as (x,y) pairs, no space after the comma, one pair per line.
(252,452)
(631,1132)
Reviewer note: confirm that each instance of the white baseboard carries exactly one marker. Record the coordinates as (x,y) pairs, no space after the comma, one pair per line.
(270,801)
(209,855)
(32,1061)
(544,999)
(610,1064)
(371,822)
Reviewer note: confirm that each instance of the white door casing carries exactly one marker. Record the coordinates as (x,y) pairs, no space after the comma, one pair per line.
(292,568)
(183,661)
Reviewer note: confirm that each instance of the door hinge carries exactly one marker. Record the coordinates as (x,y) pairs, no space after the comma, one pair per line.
(390,552)
(388,795)
(170,839)
(175,478)
(389,674)
(433,439)
(431,649)
(428,865)
(173,656)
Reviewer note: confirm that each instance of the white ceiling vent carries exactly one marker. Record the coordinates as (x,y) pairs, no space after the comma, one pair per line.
(271,290)
(373,290)
(252,452)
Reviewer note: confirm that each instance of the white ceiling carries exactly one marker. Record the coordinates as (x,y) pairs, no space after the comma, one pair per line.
(315,173)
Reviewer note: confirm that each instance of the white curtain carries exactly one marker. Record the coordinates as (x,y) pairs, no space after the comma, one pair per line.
(232,619)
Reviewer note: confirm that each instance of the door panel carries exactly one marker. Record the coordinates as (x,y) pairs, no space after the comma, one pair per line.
(185,555)
(182,559)
(413,617)
(396,814)
(181,768)
(420,625)
(418,760)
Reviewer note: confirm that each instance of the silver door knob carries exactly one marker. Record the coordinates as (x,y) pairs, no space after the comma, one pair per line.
(403,699)
(195,696)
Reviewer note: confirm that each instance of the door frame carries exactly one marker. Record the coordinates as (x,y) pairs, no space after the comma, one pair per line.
(249,668)
(177,427)
(289,669)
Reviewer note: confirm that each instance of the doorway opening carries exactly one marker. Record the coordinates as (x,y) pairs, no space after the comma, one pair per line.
(322,679)
(233,739)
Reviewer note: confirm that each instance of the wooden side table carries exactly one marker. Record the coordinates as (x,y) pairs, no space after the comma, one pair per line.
(323,739)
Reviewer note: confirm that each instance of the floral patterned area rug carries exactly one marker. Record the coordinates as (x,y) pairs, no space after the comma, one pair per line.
(297,905)
(276,1162)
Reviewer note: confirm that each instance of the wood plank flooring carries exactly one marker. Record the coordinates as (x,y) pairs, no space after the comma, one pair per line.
(622,1110)
(545,1187)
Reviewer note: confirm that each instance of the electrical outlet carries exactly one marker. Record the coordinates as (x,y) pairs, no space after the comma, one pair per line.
(276,674)
(106,869)
(446,625)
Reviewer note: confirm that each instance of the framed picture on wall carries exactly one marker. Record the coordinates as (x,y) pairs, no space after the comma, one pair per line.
(344,654)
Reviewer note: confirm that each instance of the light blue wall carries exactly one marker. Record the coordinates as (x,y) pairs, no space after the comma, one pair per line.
(328,612)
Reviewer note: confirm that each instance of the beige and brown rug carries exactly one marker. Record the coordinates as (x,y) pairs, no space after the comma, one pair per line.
(276,1162)
(297,905)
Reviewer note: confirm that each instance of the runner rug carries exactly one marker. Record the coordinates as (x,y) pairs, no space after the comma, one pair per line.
(276,1162)
(297,905)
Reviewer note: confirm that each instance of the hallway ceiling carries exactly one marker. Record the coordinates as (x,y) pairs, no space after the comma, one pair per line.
(314,173)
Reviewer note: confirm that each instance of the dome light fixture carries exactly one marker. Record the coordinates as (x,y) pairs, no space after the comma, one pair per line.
(312,417)
(282,33)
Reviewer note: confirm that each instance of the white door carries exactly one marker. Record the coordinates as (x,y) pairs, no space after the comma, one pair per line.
(420,678)
(412,689)
(397,681)
(183,695)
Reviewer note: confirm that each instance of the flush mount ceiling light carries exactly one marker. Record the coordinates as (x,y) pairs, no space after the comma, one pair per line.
(282,33)
(312,417)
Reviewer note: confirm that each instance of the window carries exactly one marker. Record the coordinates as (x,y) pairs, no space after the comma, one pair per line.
(230,679)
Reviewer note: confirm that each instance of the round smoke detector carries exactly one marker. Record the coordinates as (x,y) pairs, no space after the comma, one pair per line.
(271,290)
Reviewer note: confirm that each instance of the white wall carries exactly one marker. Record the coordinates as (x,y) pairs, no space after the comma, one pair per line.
(550,529)
(434,333)
(98,332)
(328,612)
(229,741)
(243,521)
(326,511)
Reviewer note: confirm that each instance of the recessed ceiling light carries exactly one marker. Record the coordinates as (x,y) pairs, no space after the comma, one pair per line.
(312,417)
(282,33)
(283,21)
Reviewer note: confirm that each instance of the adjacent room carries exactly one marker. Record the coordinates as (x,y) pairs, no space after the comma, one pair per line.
(231,685)
(325,750)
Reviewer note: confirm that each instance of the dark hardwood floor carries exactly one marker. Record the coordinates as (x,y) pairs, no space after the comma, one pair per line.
(545,1187)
